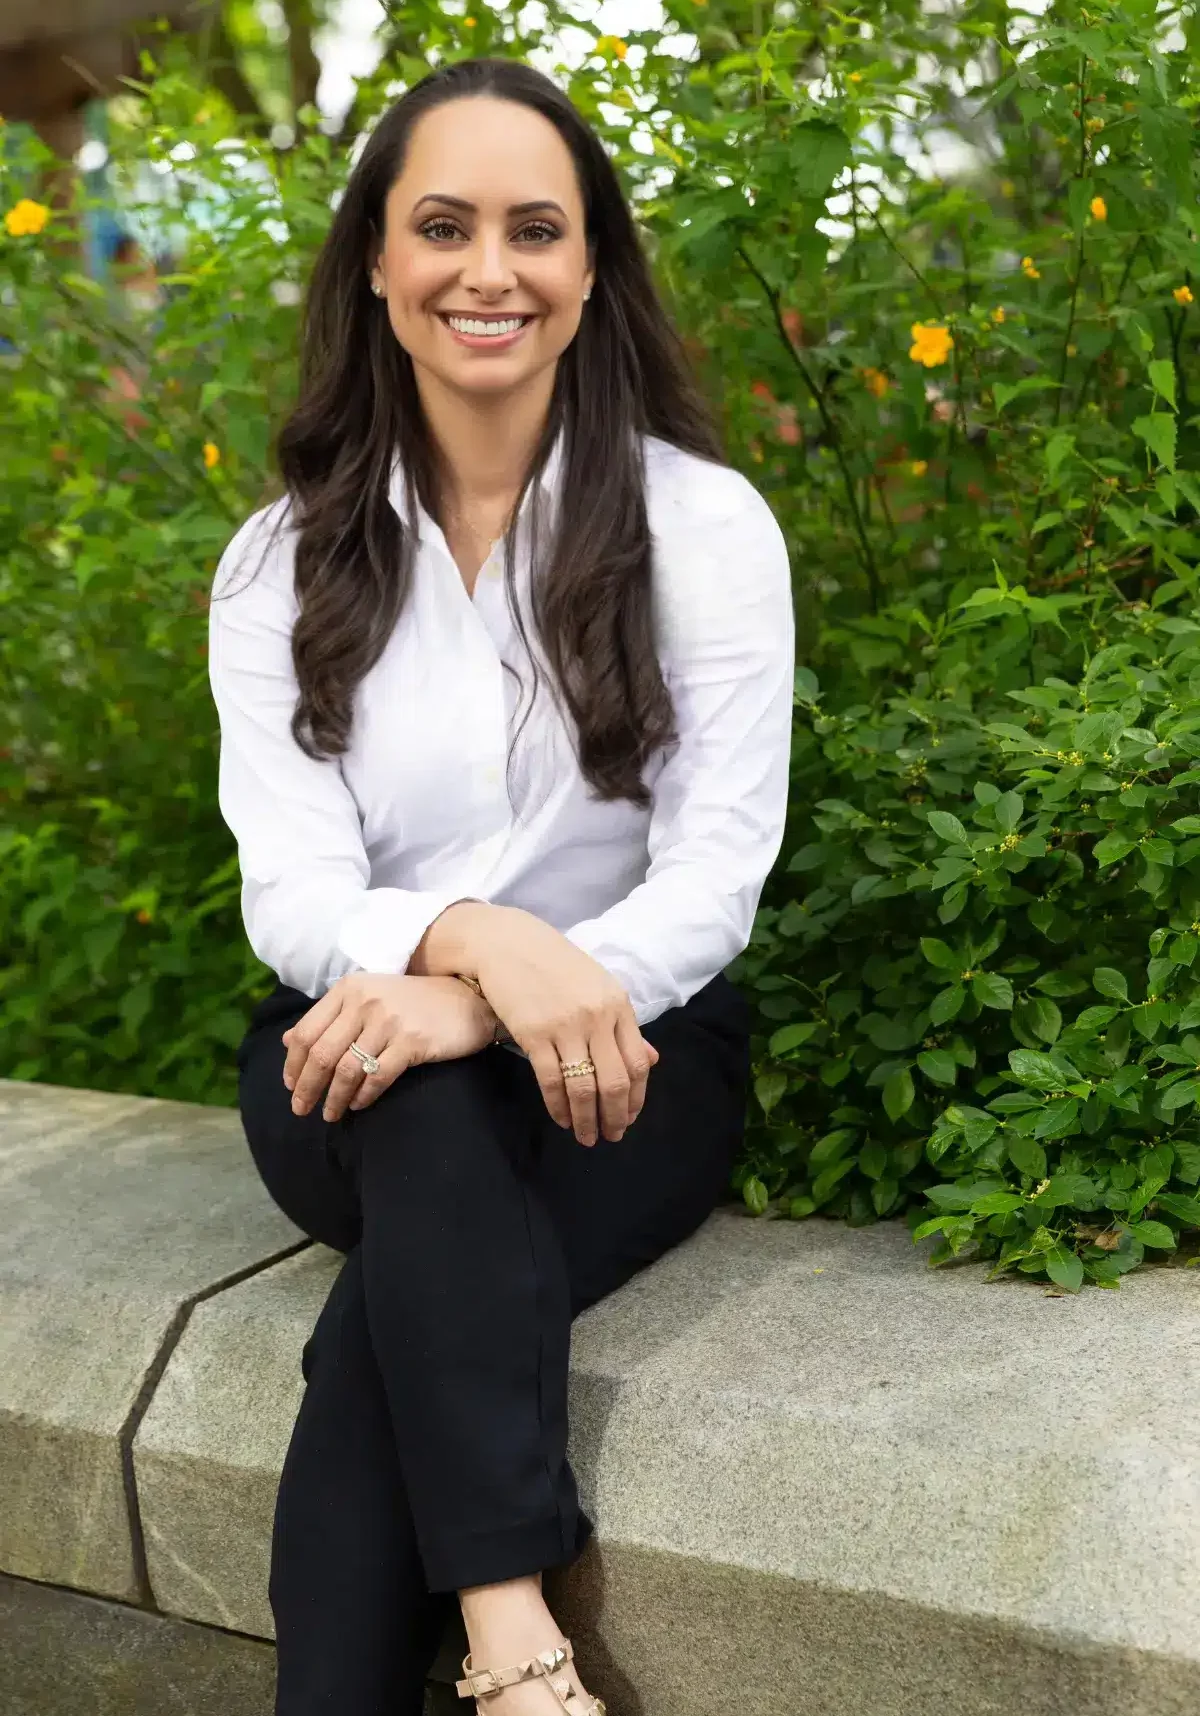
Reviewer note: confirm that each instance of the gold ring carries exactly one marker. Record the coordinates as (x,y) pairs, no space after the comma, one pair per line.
(369,1062)
(577,1069)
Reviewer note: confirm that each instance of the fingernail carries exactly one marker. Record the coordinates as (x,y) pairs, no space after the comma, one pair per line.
(327,1114)
(618,1135)
(289,1082)
(297,1105)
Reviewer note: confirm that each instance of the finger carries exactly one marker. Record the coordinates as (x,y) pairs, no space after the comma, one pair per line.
(581,1091)
(323,1058)
(394,1058)
(544,1061)
(639,1056)
(348,1074)
(306,1031)
(612,1083)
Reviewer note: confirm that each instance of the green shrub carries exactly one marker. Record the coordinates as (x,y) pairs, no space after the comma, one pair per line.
(980,966)
(970,395)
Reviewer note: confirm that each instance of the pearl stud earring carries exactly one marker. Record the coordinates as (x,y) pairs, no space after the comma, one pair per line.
(587,294)
(377,288)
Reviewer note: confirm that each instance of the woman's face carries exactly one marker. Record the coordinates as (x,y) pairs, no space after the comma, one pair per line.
(484,261)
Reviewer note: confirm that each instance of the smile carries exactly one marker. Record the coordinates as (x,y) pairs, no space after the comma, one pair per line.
(486,330)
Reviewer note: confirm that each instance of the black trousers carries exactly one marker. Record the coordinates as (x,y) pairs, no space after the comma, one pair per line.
(430,1448)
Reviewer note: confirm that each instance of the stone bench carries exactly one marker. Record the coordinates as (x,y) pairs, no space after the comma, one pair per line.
(826,1481)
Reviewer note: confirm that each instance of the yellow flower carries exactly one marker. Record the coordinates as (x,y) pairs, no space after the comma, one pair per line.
(931,345)
(919,467)
(875,381)
(998,314)
(1072,351)
(1028,270)
(1183,295)
(612,45)
(1099,208)
(1007,188)
(855,77)
(25,219)
(470,23)
(212,455)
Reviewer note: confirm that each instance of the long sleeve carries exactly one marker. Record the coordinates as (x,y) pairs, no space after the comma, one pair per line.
(308,907)
(727,642)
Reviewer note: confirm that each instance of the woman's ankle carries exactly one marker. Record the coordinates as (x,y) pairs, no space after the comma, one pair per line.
(511,1616)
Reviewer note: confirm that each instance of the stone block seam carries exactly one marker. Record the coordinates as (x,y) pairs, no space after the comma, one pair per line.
(172,1335)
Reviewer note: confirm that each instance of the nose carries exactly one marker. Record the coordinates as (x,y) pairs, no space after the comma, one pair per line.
(487,267)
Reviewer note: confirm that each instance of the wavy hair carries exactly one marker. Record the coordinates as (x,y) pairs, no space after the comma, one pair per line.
(623,374)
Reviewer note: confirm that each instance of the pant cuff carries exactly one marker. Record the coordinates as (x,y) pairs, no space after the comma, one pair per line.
(489,1558)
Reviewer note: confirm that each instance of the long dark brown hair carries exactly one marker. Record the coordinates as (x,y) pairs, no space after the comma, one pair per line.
(624,373)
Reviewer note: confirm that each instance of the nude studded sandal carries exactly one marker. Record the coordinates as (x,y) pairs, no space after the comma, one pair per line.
(485,1682)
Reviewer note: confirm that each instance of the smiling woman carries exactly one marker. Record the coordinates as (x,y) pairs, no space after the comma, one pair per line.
(505,697)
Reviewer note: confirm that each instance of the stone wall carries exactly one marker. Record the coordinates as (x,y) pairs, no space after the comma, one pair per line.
(825,1479)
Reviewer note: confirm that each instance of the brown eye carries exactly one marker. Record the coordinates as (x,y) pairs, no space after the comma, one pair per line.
(441,227)
(541,230)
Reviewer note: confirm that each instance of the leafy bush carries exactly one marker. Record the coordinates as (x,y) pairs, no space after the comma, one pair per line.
(968,390)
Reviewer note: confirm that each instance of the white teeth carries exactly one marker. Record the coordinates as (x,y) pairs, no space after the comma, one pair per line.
(469,325)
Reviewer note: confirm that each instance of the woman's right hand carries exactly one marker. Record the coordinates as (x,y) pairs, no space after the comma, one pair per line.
(560,1005)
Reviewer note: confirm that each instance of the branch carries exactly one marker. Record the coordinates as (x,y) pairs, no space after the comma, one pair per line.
(829,425)
(306,67)
(220,66)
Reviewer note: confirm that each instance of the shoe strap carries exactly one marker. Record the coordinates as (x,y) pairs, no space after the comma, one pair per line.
(484,1682)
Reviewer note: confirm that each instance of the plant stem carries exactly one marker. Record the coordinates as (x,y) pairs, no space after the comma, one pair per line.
(830,427)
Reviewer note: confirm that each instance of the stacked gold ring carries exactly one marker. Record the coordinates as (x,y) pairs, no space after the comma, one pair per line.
(577,1069)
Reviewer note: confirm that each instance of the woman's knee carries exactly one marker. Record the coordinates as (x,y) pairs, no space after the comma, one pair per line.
(442,1122)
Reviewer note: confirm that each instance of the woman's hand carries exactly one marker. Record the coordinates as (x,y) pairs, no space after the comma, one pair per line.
(561,1005)
(402,1021)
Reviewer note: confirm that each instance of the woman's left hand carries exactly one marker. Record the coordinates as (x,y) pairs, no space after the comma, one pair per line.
(401,1020)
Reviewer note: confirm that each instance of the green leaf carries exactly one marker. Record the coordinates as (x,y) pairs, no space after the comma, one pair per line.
(1043,1018)
(898,1094)
(1059,445)
(1155,1233)
(825,1184)
(769,1087)
(1162,379)
(1110,982)
(1183,1209)
(872,1159)
(938,953)
(1158,432)
(947,1004)
(791,1036)
(948,827)
(817,154)
(1010,807)
(1028,1156)
(829,1148)
(939,1065)
(1112,849)
(800,1207)
(1064,1269)
(1180,1095)
(754,1194)
(992,990)
(1033,1068)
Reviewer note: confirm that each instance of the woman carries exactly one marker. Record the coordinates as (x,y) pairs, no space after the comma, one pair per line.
(505,687)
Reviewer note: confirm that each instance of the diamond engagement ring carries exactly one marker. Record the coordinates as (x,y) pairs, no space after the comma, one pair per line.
(577,1069)
(370,1064)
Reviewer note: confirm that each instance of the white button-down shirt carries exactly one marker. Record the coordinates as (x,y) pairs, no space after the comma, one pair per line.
(346,862)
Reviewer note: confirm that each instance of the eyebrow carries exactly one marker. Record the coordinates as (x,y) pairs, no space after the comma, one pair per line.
(513,209)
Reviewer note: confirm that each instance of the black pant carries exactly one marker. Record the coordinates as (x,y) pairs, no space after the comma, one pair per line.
(430,1448)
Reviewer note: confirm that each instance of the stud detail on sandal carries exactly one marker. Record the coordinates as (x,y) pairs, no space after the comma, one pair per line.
(484,1683)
